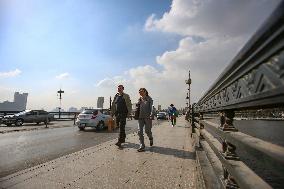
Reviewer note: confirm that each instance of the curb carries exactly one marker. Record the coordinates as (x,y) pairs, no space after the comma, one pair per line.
(33,128)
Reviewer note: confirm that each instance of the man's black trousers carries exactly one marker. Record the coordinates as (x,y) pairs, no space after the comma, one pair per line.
(121,122)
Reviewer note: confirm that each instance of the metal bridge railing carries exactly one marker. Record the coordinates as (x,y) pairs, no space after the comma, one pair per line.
(254,80)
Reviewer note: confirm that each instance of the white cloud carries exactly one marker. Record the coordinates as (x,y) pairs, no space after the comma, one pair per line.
(107,82)
(111,83)
(63,76)
(213,33)
(205,60)
(209,18)
(223,26)
(14,73)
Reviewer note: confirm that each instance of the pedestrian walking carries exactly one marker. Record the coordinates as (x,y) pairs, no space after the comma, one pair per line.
(145,103)
(121,109)
(173,114)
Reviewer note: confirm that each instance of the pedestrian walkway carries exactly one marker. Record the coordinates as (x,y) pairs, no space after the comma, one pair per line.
(170,163)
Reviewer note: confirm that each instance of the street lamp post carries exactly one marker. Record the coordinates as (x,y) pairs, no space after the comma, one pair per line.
(188,82)
(60,97)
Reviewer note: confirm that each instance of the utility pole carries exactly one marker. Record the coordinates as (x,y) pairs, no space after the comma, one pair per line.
(188,82)
(60,97)
(189,107)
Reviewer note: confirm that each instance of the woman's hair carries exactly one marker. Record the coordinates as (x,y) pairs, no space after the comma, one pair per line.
(144,90)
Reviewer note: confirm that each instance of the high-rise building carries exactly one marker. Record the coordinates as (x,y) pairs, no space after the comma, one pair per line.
(57,109)
(100,102)
(19,103)
(73,109)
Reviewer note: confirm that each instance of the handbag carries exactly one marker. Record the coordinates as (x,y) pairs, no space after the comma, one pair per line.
(137,110)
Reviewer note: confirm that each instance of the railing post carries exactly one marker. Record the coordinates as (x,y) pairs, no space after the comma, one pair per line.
(192,119)
(229,181)
(226,120)
(229,150)
(59,113)
(75,116)
(201,125)
(226,124)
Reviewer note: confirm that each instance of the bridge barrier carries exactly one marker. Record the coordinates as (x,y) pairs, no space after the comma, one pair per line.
(253,80)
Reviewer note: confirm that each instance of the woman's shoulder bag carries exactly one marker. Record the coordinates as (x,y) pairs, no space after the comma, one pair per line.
(137,110)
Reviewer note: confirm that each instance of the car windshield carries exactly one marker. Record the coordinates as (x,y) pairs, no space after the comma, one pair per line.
(90,111)
(23,112)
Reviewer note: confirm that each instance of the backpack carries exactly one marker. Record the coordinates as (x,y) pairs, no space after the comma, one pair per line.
(174,112)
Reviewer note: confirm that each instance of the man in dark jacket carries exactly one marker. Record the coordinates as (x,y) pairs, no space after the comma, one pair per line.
(121,109)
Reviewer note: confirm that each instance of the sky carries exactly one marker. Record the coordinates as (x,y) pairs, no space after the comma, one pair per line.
(88,47)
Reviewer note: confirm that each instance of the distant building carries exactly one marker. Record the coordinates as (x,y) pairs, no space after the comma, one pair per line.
(57,109)
(100,102)
(19,103)
(84,108)
(73,109)
(159,107)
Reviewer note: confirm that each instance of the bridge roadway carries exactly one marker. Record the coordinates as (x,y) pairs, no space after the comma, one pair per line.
(170,163)
(31,144)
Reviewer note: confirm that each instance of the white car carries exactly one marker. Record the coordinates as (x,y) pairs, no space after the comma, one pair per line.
(96,118)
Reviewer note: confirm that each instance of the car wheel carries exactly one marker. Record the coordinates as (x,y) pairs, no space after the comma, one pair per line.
(19,122)
(37,123)
(8,124)
(100,126)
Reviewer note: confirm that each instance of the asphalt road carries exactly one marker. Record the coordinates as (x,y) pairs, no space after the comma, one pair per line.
(21,150)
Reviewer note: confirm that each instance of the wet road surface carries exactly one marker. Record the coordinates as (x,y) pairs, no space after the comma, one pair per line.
(21,150)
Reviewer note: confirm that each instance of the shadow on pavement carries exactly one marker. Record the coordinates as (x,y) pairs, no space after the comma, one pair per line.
(164,151)
(90,129)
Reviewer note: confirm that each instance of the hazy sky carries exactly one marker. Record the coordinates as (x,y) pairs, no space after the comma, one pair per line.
(88,47)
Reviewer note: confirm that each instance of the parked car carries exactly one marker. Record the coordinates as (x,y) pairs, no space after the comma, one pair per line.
(162,115)
(28,116)
(1,117)
(96,118)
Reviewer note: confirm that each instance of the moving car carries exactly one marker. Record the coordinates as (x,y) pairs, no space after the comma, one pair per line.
(28,116)
(162,115)
(96,118)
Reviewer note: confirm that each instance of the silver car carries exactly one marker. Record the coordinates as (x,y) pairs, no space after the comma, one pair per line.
(96,118)
(28,116)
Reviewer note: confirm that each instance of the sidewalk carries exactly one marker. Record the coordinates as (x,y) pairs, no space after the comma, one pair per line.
(170,163)
(33,126)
